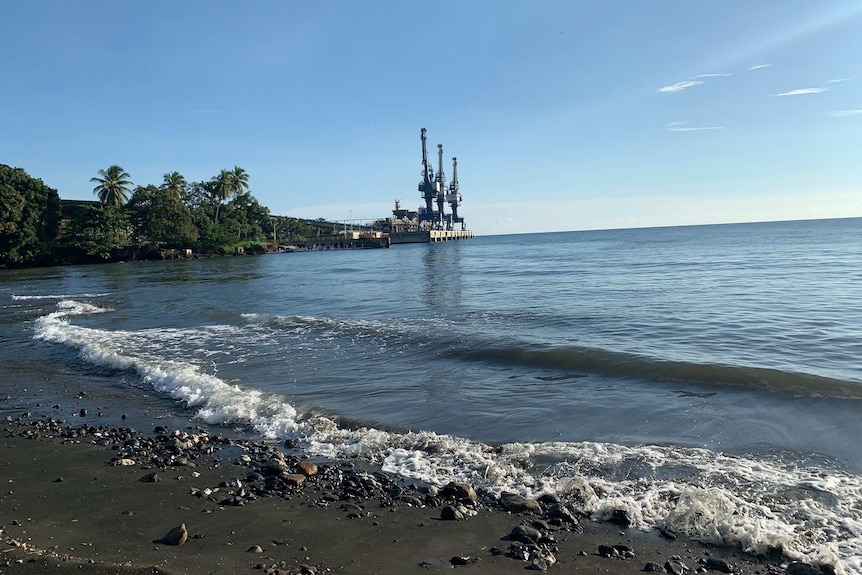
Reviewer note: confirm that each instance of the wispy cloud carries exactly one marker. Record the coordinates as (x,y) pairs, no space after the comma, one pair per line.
(759,67)
(802,91)
(685,127)
(839,80)
(847,113)
(679,86)
(713,75)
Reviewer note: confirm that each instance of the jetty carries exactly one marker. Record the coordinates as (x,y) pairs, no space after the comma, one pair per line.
(429,223)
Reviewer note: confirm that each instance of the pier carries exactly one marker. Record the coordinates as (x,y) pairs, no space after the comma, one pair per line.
(429,236)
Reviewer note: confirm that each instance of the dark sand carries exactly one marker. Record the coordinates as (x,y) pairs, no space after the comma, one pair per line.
(64,509)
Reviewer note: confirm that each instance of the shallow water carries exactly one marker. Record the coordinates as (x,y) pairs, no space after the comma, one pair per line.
(674,369)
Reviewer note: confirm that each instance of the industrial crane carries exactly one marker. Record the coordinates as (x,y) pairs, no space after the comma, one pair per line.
(454,198)
(434,188)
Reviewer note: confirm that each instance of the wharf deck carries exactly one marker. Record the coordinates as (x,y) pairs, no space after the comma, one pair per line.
(429,236)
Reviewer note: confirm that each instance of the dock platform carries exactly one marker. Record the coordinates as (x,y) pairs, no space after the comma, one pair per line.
(429,236)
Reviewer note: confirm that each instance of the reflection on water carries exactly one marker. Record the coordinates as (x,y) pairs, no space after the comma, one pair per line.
(443,275)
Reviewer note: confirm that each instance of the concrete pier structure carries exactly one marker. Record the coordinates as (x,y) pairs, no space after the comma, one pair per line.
(428,236)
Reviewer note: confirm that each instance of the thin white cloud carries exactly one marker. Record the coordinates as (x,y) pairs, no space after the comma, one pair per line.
(759,67)
(684,127)
(679,86)
(713,75)
(839,80)
(847,113)
(802,91)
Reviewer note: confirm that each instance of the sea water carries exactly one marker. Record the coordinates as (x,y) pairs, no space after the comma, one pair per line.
(706,379)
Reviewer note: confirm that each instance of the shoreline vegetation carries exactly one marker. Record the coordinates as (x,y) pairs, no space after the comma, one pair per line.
(176,218)
(102,499)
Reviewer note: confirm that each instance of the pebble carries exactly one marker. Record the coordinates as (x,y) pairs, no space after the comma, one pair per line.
(176,536)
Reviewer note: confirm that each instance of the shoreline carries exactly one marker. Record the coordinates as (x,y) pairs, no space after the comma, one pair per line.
(103,498)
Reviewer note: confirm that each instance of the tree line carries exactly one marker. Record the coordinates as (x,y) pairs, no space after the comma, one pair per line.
(214,216)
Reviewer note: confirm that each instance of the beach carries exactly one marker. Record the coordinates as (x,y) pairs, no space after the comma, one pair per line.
(653,392)
(67,506)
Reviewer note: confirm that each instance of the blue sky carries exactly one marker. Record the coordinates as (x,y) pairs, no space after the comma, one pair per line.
(564,114)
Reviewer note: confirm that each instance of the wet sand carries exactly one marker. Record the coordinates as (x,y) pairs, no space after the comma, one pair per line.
(65,508)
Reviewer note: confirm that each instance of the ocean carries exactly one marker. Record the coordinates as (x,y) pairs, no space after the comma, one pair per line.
(706,379)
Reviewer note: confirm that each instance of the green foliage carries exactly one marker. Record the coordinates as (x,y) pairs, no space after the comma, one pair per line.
(97,233)
(113,186)
(29,217)
(213,216)
(227,184)
(175,184)
(160,219)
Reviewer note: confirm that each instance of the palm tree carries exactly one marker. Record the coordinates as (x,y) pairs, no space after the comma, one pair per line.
(229,183)
(174,184)
(223,189)
(113,186)
(238,180)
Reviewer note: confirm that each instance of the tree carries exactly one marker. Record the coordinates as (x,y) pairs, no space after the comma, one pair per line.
(245,219)
(175,184)
(229,183)
(159,218)
(29,217)
(113,186)
(238,181)
(98,234)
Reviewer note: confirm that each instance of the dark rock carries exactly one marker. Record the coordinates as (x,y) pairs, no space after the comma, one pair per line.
(176,536)
(538,564)
(308,468)
(560,512)
(461,560)
(410,500)
(549,499)
(608,551)
(275,466)
(150,478)
(526,534)
(675,567)
(254,549)
(514,503)
(450,513)
(718,565)
(621,517)
(294,479)
(653,567)
(625,551)
(460,491)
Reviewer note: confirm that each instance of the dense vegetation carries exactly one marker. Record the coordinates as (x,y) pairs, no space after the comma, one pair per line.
(215,216)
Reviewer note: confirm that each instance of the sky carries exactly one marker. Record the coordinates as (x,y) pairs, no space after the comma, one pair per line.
(564,114)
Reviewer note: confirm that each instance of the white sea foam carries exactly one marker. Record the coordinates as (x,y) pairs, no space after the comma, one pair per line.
(66,296)
(811,513)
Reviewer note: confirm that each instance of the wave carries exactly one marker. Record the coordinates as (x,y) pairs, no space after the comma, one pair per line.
(571,362)
(60,297)
(811,513)
(605,362)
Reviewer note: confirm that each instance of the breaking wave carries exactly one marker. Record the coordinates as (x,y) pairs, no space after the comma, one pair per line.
(811,513)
